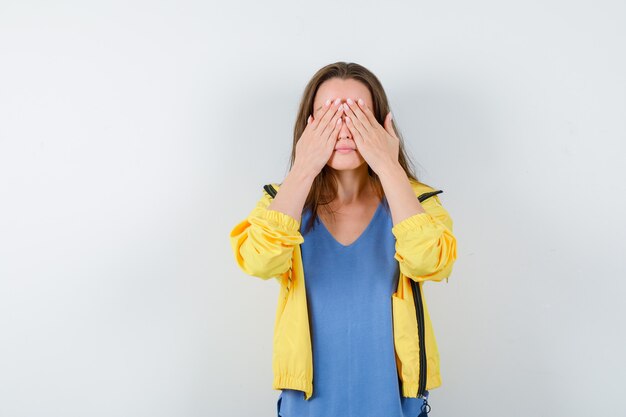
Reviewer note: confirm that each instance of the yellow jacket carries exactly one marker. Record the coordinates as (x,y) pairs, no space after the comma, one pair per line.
(267,245)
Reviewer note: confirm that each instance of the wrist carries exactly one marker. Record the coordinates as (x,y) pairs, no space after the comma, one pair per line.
(302,174)
(390,170)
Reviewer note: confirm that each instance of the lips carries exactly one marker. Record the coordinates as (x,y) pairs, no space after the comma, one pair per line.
(346,146)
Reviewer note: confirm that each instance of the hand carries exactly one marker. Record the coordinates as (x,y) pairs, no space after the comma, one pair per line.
(316,145)
(378,145)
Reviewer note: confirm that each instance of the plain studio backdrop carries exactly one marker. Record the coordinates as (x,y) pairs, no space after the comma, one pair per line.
(135,134)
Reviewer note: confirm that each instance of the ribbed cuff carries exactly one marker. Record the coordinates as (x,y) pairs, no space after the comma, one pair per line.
(412,222)
(282,220)
(290,382)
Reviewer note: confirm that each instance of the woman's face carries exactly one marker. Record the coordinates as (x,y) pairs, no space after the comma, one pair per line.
(344,89)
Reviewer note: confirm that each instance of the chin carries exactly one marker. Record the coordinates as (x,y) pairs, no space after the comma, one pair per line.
(345,165)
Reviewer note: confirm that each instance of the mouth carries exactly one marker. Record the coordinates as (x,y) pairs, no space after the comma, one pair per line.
(344,150)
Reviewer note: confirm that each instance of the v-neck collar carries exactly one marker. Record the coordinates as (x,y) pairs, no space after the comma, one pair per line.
(359,238)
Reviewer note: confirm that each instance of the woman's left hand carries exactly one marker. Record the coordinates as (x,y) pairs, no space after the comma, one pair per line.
(378,145)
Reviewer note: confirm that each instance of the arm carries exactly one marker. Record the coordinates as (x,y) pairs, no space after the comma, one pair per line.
(425,244)
(263,243)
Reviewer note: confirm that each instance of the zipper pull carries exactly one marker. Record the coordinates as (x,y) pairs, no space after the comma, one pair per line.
(425,409)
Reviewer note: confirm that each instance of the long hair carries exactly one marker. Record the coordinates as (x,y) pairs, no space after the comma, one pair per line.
(324,187)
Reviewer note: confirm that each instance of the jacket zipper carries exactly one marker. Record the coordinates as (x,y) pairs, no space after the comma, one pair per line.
(419,313)
(424,196)
(270,190)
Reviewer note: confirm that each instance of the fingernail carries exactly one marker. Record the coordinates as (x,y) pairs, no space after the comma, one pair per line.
(350,101)
(327,102)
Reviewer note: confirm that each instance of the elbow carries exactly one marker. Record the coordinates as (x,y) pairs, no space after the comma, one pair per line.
(437,275)
(264,268)
(263,254)
(262,263)
(433,263)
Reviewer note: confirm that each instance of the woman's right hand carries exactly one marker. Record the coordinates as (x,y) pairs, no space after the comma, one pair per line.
(318,141)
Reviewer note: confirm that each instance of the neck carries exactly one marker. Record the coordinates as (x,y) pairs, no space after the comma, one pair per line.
(353,185)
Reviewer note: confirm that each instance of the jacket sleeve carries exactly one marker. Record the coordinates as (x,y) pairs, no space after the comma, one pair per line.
(263,243)
(425,245)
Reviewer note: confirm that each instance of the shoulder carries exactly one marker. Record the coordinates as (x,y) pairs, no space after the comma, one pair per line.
(431,202)
(420,188)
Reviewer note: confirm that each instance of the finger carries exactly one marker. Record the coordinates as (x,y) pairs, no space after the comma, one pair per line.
(327,112)
(358,118)
(333,122)
(317,113)
(389,125)
(356,134)
(358,138)
(358,141)
(367,112)
(332,139)
(329,116)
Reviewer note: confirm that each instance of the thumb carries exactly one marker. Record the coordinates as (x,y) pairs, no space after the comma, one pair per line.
(389,125)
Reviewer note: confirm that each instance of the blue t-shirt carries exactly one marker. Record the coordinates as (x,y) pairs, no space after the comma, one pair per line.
(349,292)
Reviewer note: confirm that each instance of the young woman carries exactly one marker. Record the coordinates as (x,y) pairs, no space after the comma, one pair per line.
(354,339)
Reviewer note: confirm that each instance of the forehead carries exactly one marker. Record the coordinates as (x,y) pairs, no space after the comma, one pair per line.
(344,89)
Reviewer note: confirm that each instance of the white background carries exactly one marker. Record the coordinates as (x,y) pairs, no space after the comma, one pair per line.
(135,134)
